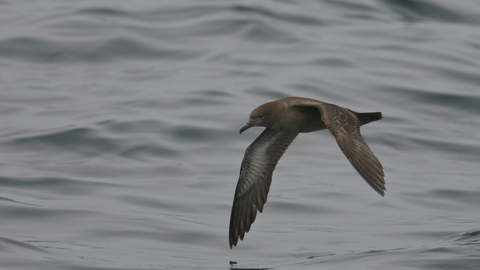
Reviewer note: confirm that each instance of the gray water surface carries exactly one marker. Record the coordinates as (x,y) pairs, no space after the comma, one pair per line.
(120,148)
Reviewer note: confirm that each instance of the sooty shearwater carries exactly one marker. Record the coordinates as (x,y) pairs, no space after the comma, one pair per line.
(283,119)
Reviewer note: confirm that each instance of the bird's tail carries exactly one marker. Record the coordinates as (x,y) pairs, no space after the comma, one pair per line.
(366,118)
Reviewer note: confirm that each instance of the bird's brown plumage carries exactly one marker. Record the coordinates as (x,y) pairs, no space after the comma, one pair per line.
(284,119)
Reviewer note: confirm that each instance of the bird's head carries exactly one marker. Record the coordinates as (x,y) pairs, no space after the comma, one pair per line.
(262,116)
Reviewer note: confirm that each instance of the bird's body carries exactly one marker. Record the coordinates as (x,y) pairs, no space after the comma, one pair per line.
(284,119)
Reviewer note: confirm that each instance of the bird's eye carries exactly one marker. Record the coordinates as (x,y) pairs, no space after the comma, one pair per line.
(260,116)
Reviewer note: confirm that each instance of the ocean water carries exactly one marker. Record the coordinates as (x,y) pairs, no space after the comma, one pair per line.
(119,144)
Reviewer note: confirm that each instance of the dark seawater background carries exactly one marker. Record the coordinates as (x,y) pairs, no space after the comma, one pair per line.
(119,144)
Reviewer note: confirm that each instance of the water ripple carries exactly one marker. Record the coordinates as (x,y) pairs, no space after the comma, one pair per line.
(120,48)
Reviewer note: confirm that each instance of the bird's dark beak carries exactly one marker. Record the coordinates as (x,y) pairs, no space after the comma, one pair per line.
(247,126)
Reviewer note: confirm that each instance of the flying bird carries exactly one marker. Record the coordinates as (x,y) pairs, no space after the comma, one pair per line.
(283,120)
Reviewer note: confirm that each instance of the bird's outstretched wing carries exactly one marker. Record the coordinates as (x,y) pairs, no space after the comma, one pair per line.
(345,127)
(253,185)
